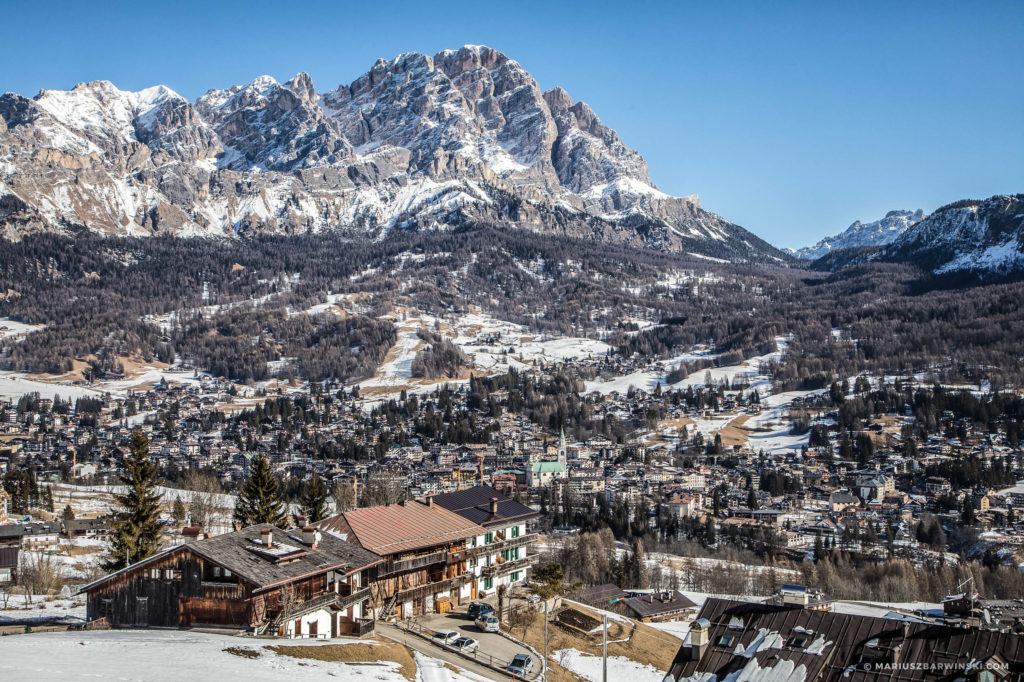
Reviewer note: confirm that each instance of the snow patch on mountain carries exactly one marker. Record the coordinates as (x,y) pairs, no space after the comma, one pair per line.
(875,233)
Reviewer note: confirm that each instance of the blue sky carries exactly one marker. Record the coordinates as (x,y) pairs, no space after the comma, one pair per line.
(791,119)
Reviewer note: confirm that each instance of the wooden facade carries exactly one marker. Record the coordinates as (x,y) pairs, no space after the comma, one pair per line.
(307,592)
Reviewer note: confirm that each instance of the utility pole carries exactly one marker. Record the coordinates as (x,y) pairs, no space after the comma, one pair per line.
(544,663)
(604,649)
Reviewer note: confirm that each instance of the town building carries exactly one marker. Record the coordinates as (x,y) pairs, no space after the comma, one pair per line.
(503,554)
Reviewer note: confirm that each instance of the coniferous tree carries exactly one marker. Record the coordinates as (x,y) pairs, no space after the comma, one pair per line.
(260,498)
(178,511)
(135,533)
(314,499)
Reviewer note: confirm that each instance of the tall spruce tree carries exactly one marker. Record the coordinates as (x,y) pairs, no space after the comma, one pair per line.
(135,533)
(260,498)
(314,499)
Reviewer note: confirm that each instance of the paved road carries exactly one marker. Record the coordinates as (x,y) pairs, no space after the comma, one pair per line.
(490,643)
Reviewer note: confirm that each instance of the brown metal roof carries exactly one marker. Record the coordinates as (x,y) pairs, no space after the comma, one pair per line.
(896,650)
(659,603)
(396,528)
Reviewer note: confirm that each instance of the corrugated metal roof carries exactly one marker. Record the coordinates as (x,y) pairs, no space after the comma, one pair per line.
(897,650)
(396,528)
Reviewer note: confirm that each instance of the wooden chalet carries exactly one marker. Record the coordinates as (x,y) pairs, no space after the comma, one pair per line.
(290,583)
(755,641)
(423,550)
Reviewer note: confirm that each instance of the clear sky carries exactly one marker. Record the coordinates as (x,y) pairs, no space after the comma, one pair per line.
(791,119)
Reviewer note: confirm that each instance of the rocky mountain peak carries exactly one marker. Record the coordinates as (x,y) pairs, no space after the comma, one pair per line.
(417,141)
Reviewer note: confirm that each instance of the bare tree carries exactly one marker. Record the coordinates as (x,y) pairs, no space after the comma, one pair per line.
(39,574)
(344,494)
(204,498)
(383,488)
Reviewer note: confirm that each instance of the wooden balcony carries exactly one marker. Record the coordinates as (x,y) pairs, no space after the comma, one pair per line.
(508,566)
(433,588)
(394,566)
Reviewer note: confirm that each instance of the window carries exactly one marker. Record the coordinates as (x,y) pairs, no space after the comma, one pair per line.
(489,538)
(515,531)
(798,642)
(227,573)
(488,583)
(154,573)
(171,574)
(515,576)
(726,640)
(216,571)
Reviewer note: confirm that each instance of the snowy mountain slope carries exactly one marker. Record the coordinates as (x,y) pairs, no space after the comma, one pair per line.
(978,236)
(417,142)
(876,233)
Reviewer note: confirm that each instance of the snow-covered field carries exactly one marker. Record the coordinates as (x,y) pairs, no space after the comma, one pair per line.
(17,607)
(12,329)
(172,656)
(619,667)
(13,385)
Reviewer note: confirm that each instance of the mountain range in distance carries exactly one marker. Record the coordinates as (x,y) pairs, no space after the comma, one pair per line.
(420,142)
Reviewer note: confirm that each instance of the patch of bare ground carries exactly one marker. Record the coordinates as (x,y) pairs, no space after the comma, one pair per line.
(357,652)
(735,433)
(642,643)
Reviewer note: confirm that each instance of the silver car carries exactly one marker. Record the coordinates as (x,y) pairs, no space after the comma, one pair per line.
(466,645)
(445,637)
(487,623)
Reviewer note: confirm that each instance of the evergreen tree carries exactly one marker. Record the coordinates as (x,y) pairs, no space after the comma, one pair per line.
(178,511)
(752,499)
(314,499)
(135,532)
(68,514)
(260,499)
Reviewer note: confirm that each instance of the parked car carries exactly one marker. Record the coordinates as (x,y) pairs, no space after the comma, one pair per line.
(521,665)
(532,598)
(445,637)
(479,608)
(487,623)
(466,645)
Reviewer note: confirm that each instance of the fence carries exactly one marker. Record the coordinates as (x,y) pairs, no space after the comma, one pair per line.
(494,662)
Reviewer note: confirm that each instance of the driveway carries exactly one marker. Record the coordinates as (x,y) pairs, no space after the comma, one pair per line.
(491,644)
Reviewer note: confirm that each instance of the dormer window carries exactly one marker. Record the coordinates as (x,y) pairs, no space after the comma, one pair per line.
(726,640)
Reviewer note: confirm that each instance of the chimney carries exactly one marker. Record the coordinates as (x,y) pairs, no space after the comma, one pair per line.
(430,500)
(207,535)
(267,538)
(300,521)
(494,506)
(699,634)
(238,526)
(310,536)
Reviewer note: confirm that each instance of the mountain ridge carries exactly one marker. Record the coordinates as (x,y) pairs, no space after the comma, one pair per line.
(416,142)
(875,233)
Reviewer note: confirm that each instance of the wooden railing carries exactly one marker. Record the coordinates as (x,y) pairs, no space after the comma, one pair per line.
(411,564)
(508,566)
(433,588)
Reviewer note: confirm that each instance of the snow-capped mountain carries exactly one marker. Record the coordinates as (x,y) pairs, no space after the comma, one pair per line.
(876,233)
(979,236)
(416,142)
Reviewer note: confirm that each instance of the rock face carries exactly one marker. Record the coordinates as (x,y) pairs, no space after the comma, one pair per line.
(877,233)
(417,142)
(986,237)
